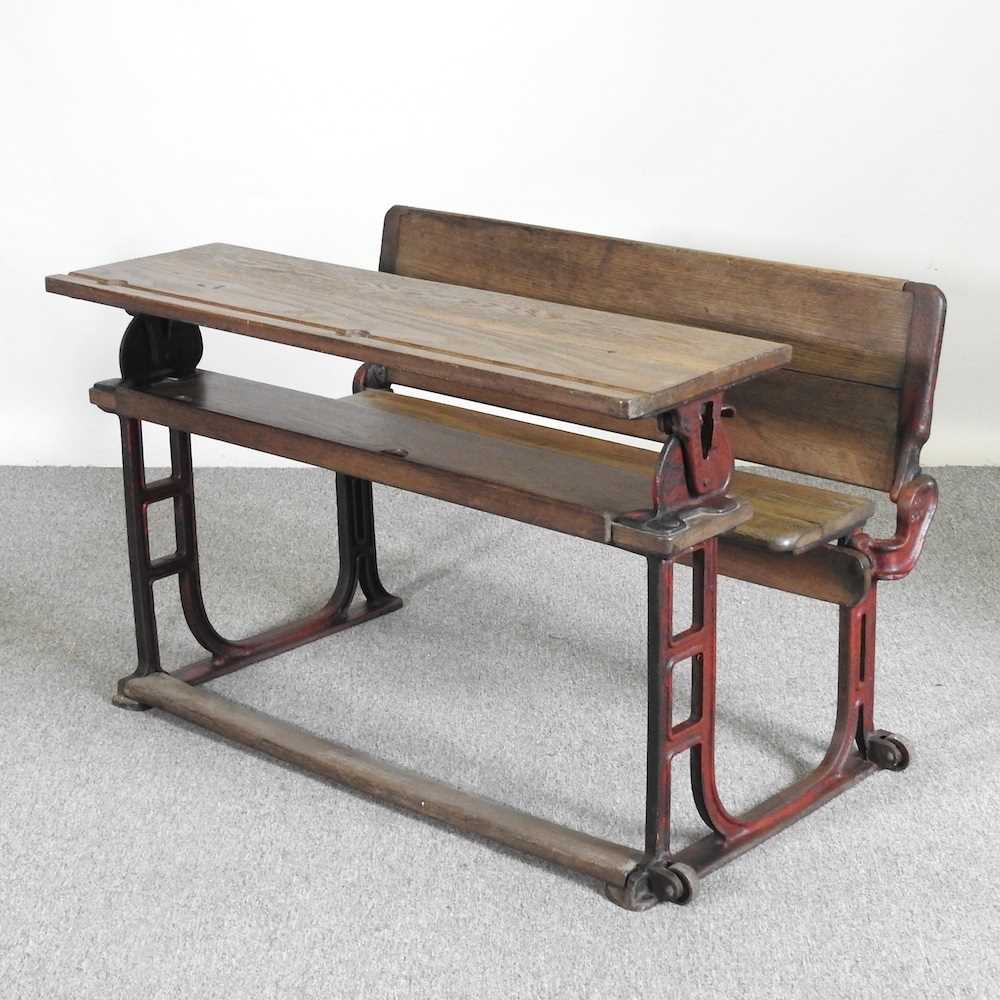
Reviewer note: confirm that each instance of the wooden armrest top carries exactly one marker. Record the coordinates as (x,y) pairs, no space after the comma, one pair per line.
(595,361)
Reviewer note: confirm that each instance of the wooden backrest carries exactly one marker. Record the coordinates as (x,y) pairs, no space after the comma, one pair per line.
(854,404)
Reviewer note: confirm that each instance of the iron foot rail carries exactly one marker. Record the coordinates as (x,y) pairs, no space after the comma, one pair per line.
(713,851)
(272,641)
(579,852)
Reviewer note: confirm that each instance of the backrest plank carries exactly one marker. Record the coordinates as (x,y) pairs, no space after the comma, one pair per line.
(820,426)
(841,325)
(833,412)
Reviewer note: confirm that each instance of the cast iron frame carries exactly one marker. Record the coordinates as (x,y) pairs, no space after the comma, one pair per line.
(691,478)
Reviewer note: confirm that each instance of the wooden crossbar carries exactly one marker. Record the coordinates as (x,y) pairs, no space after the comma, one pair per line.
(400,786)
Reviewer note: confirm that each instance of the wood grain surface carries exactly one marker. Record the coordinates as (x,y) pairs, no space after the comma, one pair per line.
(602,362)
(568,482)
(827,427)
(841,324)
(833,411)
(405,788)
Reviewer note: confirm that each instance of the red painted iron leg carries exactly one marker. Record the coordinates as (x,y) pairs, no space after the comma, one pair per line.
(856,747)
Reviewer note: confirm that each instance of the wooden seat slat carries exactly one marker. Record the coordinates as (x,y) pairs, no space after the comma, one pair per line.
(792,517)
(511,468)
(569,482)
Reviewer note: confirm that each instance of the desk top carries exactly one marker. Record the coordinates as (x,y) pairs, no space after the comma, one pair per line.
(595,361)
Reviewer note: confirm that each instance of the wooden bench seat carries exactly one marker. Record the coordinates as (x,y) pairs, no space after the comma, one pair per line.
(569,482)
(791,517)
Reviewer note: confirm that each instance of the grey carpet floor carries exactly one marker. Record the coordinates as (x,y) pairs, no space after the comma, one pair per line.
(140,857)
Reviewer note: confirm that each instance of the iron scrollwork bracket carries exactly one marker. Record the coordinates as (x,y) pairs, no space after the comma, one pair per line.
(154,348)
(694,467)
(706,457)
(893,558)
(692,473)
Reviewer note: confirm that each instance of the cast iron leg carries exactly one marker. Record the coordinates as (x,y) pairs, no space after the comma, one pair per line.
(356,532)
(664,875)
(137,531)
(857,673)
(660,877)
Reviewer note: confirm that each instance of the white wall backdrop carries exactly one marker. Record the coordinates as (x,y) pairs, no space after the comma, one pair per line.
(861,136)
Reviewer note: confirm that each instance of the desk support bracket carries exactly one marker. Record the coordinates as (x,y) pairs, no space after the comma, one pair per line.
(689,503)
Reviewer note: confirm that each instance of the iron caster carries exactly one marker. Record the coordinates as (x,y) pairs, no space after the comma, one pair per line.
(661,882)
(123,701)
(888,751)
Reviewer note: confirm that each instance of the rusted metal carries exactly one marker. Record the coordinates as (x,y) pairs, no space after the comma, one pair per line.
(893,558)
(358,567)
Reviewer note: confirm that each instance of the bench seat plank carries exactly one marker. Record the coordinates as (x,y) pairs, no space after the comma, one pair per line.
(558,480)
(820,426)
(792,517)
(569,482)
(599,362)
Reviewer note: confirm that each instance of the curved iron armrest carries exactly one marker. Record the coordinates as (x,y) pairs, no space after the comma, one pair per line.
(893,558)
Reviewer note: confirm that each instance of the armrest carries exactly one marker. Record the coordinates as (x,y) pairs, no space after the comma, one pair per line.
(893,558)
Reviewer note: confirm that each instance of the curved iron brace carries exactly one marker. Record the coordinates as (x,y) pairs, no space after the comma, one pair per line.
(893,558)
(356,548)
(371,376)
(154,348)
(667,875)
(853,726)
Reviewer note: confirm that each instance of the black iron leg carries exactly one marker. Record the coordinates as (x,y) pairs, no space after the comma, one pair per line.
(137,531)
(356,536)
(356,531)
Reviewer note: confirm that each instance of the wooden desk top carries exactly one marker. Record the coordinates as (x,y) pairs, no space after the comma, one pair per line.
(595,361)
